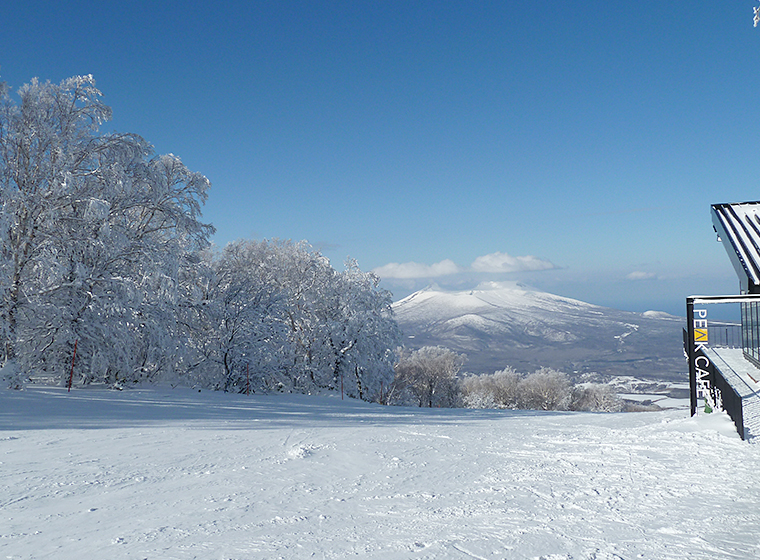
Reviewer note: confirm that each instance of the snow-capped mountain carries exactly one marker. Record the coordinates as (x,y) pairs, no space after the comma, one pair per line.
(501,324)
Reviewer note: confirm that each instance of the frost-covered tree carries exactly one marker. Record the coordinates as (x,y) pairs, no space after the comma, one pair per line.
(311,311)
(498,390)
(102,247)
(95,231)
(595,397)
(545,389)
(428,377)
(277,313)
(362,333)
(235,318)
(340,324)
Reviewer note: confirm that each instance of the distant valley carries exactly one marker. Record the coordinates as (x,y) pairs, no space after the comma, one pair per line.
(510,324)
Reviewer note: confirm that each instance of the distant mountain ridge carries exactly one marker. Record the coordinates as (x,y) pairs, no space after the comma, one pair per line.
(508,323)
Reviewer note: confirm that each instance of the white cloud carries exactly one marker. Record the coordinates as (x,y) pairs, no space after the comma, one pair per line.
(641,275)
(492,263)
(502,262)
(417,270)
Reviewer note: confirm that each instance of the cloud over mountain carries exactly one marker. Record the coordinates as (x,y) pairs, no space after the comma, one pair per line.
(417,270)
(503,262)
(492,263)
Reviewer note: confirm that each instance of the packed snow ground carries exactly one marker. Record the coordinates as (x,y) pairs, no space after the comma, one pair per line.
(176,474)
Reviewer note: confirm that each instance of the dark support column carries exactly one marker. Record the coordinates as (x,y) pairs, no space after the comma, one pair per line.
(690,350)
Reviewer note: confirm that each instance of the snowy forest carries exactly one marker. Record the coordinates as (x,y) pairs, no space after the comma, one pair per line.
(107,274)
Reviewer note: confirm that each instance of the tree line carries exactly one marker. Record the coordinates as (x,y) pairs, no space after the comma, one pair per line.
(107,275)
(430,377)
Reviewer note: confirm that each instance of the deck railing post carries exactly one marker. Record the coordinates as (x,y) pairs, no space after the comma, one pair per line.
(690,351)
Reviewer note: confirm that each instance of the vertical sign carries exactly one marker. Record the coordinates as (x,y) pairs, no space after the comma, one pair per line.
(701,371)
(700,329)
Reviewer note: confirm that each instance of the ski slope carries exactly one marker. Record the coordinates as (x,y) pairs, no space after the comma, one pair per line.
(177,474)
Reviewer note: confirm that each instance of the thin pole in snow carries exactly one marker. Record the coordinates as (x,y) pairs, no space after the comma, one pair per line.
(247,379)
(341,386)
(71,375)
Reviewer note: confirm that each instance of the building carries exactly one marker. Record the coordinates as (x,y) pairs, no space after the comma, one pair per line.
(724,358)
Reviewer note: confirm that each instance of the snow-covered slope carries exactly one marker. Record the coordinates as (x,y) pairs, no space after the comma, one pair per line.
(182,475)
(502,324)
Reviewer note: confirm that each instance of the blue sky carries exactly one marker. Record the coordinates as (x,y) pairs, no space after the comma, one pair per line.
(576,146)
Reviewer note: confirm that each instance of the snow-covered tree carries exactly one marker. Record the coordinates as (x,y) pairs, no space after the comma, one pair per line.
(340,324)
(595,397)
(102,247)
(545,389)
(235,317)
(428,376)
(361,332)
(277,313)
(498,390)
(308,279)
(95,229)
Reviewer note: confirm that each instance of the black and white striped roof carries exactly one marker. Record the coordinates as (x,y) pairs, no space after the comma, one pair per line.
(738,226)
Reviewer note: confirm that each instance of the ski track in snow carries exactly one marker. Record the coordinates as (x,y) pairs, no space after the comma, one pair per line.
(176,475)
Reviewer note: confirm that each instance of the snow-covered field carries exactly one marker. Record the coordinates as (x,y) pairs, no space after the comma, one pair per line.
(176,474)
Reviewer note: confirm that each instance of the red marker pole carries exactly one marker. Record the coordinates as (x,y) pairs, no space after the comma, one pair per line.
(71,375)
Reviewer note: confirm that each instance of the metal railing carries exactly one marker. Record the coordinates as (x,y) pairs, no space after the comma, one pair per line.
(725,335)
